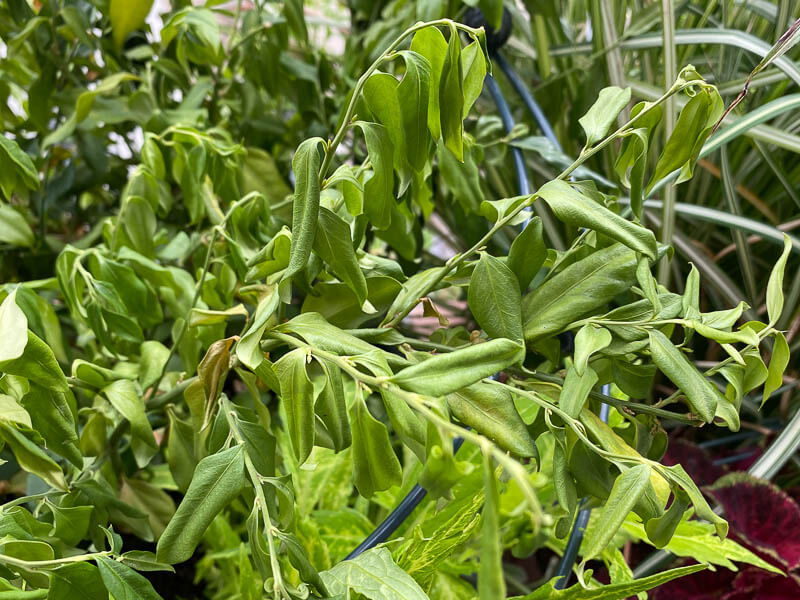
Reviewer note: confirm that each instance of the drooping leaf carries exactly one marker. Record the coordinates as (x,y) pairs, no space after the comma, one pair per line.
(123,582)
(597,121)
(305,208)
(444,374)
(574,208)
(217,480)
(700,393)
(494,299)
(491,579)
(297,395)
(375,465)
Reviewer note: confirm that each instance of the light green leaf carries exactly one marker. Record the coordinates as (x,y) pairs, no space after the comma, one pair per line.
(305,208)
(576,390)
(217,480)
(79,581)
(527,254)
(334,245)
(446,373)
(490,410)
(31,457)
(374,575)
(775,284)
(573,208)
(13,328)
(578,290)
(413,93)
(123,582)
(700,392)
(37,363)
(495,300)
(14,229)
(451,97)
(124,398)
(430,44)
(588,340)
(127,16)
(473,66)
(23,165)
(777,365)
(627,490)
(297,396)
(603,113)
(378,190)
(375,465)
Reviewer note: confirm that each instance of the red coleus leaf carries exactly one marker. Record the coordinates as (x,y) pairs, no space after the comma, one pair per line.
(755,583)
(762,516)
(694,459)
(703,585)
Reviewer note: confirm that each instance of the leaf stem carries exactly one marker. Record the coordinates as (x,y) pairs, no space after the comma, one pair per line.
(278,588)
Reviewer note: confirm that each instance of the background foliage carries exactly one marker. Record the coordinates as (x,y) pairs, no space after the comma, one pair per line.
(260,262)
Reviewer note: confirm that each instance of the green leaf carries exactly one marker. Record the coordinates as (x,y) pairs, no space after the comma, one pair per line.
(381,93)
(124,398)
(23,165)
(527,254)
(578,290)
(495,300)
(573,208)
(692,129)
(374,575)
(490,410)
(123,582)
(451,97)
(13,328)
(627,490)
(305,208)
(775,284)
(576,390)
(405,422)
(375,465)
(777,365)
(126,17)
(297,397)
(491,581)
(31,457)
(79,581)
(334,245)
(597,121)
(446,373)
(614,591)
(37,363)
(700,393)
(331,407)
(588,340)
(52,416)
(378,190)
(14,229)
(413,93)
(430,44)
(217,480)
(473,66)
(13,412)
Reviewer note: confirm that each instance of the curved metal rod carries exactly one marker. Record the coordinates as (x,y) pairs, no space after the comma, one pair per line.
(527,99)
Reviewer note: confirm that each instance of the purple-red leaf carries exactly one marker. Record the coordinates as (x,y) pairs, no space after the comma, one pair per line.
(695,460)
(763,516)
